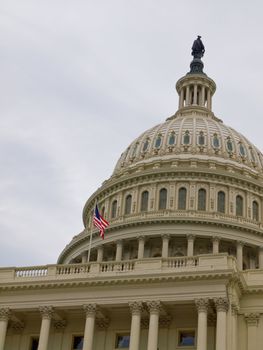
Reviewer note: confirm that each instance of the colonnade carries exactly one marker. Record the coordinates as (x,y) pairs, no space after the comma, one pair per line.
(154,308)
(165,249)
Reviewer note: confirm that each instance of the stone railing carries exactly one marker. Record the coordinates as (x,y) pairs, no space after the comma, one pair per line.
(114,268)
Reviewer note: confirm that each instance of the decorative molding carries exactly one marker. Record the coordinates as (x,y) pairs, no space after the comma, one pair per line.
(154,306)
(165,321)
(60,325)
(234,309)
(221,304)
(17,326)
(102,323)
(252,318)
(202,304)
(46,312)
(5,314)
(211,320)
(90,310)
(136,307)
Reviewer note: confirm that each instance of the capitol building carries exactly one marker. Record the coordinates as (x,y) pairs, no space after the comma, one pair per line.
(181,265)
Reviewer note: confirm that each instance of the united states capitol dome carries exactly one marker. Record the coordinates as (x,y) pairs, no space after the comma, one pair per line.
(190,175)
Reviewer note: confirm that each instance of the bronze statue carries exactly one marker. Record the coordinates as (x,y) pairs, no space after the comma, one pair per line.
(198,48)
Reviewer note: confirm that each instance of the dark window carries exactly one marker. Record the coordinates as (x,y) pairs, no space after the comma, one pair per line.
(252,155)
(186,138)
(229,145)
(221,198)
(163,198)
(186,338)
(202,199)
(255,211)
(78,343)
(171,139)
(144,201)
(239,206)
(145,145)
(242,150)
(135,149)
(128,203)
(158,142)
(201,139)
(114,209)
(215,141)
(182,198)
(34,343)
(122,341)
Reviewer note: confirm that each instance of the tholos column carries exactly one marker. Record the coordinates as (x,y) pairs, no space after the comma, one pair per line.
(190,245)
(100,254)
(154,309)
(136,310)
(4,317)
(215,241)
(221,310)
(119,251)
(260,257)
(252,325)
(240,255)
(141,242)
(165,246)
(90,310)
(46,313)
(202,306)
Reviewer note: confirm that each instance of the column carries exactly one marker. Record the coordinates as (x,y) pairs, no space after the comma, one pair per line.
(209,102)
(165,246)
(141,240)
(252,325)
(46,313)
(190,245)
(59,327)
(4,317)
(202,306)
(154,309)
(203,96)
(136,310)
(90,310)
(181,102)
(84,258)
(17,330)
(119,251)
(100,253)
(234,311)
(187,95)
(240,255)
(260,257)
(195,94)
(221,310)
(215,241)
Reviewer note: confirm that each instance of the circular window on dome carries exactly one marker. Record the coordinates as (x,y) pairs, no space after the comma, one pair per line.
(186,138)
(215,141)
(242,151)
(229,145)
(145,145)
(201,139)
(158,141)
(171,140)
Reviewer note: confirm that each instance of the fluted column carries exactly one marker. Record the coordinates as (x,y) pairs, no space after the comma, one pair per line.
(202,306)
(195,95)
(187,96)
(252,320)
(90,310)
(190,245)
(215,241)
(136,310)
(4,317)
(234,311)
(141,241)
(181,101)
(154,309)
(119,250)
(46,313)
(209,100)
(203,96)
(260,257)
(165,246)
(100,253)
(240,255)
(221,310)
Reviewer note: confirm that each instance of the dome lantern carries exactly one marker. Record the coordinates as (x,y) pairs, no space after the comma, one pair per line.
(195,89)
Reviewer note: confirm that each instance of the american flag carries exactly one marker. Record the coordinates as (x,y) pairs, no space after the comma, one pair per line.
(99,222)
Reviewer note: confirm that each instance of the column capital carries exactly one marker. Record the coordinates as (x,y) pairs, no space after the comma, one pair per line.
(165,321)
(5,314)
(190,236)
(221,304)
(154,306)
(18,326)
(102,323)
(252,318)
(260,248)
(165,236)
(136,307)
(241,243)
(202,304)
(141,238)
(216,239)
(234,309)
(46,312)
(60,325)
(119,242)
(90,309)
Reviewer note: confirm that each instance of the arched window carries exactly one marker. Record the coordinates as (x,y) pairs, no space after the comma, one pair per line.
(186,140)
(182,198)
(239,206)
(221,202)
(255,211)
(145,145)
(144,201)
(163,198)
(114,209)
(252,155)
(201,138)
(216,141)
(171,139)
(158,141)
(242,151)
(128,203)
(201,199)
(229,145)
(135,149)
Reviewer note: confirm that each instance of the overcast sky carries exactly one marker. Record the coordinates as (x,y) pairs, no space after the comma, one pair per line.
(79,80)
